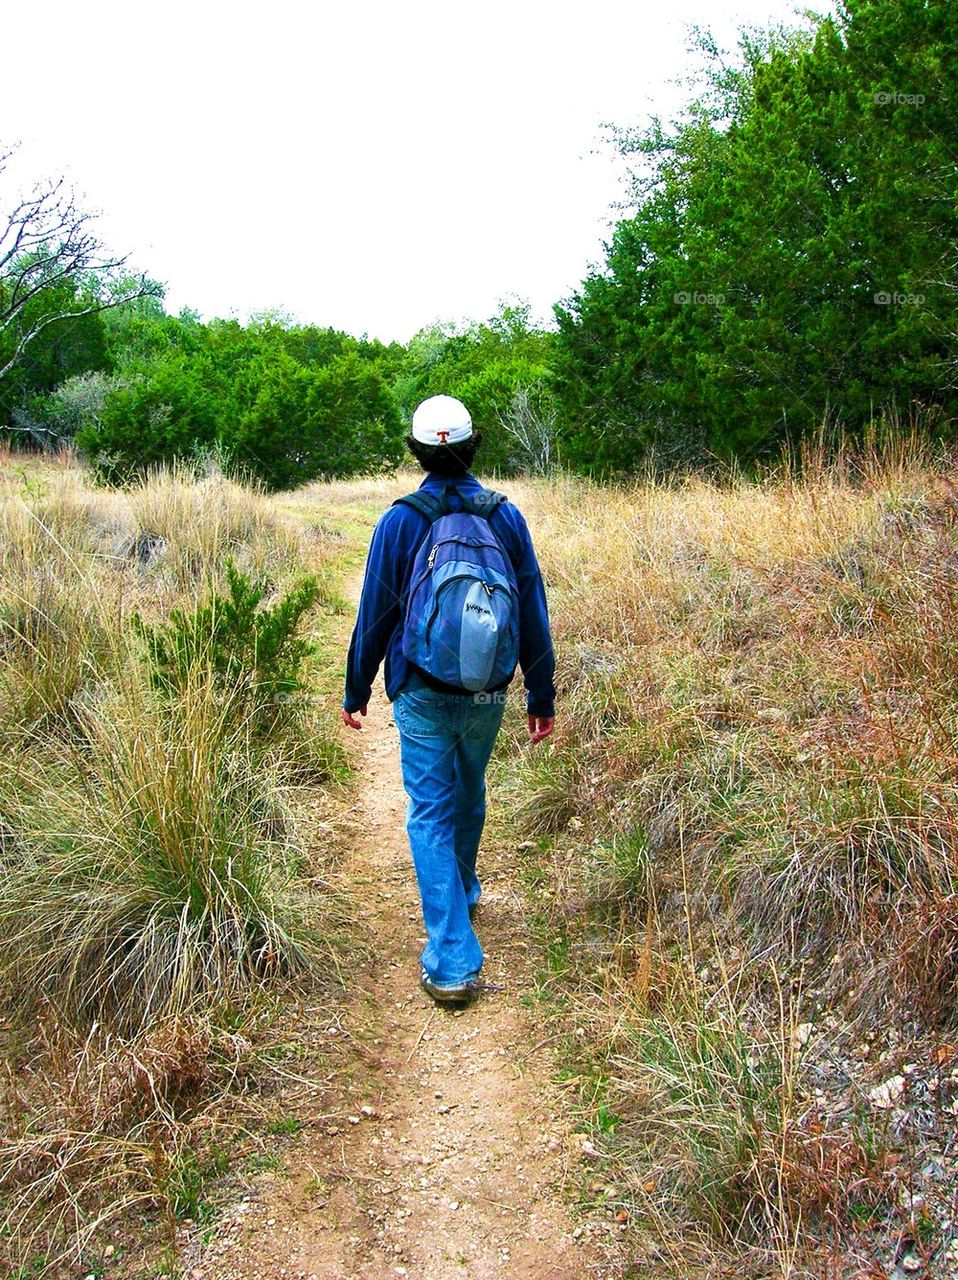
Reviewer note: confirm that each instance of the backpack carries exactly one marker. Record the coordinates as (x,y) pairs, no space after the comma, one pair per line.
(461,618)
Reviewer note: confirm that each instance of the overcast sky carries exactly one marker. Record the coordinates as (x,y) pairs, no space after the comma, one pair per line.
(372,166)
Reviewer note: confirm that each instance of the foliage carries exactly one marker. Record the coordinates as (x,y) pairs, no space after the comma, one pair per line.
(55,280)
(77,402)
(165,413)
(253,652)
(60,350)
(293,424)
(789,253)
(279,406)
(788,263)
(485,365)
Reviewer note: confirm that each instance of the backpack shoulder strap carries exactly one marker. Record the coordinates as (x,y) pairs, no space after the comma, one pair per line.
(426,504)
(483,503)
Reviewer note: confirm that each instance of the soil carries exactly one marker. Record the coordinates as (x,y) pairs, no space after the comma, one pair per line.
(455,1150)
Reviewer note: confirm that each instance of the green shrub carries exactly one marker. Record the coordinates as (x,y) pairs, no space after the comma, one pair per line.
(166,414)
(254,651)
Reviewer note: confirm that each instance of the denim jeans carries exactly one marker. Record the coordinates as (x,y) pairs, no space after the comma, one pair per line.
(445,741)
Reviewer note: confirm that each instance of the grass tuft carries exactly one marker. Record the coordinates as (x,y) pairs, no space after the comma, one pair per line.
(150,884)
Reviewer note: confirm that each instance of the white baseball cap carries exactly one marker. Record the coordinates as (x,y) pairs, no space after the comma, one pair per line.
(441,420)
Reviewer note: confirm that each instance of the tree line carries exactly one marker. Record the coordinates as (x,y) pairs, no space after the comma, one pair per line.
(789,259)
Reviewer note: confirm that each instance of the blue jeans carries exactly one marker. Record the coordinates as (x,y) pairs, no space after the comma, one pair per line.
(445,741)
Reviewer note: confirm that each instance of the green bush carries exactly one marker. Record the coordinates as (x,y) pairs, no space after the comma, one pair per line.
(254,651)
(162,415)
(293,424)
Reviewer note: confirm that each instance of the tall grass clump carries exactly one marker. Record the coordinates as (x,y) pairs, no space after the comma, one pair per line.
(182,529)
(715,1109)
(150,881)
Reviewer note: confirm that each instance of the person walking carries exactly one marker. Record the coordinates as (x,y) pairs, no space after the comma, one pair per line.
(452,602)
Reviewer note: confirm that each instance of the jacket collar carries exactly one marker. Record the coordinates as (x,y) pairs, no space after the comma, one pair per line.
(433,483)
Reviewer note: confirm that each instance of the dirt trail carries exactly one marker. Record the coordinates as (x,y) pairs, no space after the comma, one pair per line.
(449,1158)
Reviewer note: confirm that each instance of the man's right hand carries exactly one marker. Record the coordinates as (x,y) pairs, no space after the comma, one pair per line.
(350,720)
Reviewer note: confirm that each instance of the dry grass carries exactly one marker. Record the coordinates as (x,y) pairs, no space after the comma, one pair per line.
(748,817)
(155,886)
(773,667)
(754,779)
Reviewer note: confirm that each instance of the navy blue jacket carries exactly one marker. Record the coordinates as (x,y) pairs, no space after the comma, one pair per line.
(378,631)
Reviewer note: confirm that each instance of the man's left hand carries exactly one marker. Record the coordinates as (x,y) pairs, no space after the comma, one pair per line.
(540,727)
(350,720)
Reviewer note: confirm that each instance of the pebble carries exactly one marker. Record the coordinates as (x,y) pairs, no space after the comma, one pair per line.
(886,1094)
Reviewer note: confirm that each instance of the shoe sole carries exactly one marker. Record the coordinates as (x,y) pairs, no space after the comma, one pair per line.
(446,995)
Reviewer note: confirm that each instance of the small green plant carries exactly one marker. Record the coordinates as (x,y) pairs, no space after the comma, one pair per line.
(35,1267)
(606,1120)
(250,648)
(284,1126)
(188,1180)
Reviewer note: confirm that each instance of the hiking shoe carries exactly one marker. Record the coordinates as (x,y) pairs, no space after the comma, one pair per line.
(449,992)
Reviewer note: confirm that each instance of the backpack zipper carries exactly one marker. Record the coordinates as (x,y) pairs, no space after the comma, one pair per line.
(458,577)
(415,585)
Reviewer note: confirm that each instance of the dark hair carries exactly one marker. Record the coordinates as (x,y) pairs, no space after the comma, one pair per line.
(445,459)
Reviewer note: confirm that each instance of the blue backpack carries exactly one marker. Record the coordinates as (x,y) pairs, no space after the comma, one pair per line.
(461,621)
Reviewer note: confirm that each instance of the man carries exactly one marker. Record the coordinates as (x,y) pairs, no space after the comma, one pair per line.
(447,727)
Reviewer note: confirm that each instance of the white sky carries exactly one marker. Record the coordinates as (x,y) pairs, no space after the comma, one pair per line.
(370,166)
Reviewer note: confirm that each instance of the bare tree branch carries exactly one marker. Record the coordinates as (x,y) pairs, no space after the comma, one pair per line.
(48,242)
(532,422)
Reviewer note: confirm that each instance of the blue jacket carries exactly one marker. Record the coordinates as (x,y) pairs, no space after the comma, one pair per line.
(378,631)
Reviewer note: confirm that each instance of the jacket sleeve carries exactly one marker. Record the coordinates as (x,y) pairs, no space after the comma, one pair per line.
(536,656)
(379,610)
